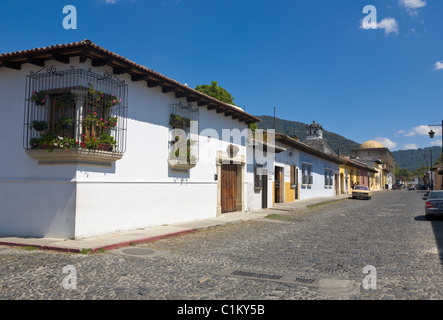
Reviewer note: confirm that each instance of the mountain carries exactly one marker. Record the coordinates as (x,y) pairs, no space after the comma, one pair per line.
(298,129)
(414,159)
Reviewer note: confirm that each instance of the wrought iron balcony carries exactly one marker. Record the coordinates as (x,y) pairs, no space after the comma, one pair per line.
(76,111)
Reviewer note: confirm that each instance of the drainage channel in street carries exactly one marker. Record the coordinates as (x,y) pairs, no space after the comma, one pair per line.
(138,252)
(328,286)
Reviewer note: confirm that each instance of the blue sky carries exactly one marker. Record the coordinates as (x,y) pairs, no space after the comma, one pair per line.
(311,59)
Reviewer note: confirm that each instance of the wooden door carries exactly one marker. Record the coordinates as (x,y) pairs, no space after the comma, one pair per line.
(278,180)
(264,194)
(228,188)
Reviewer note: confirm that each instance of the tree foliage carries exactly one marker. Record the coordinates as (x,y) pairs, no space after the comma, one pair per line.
(215,91)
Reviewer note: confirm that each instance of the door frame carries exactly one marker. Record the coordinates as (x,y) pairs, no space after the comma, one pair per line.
(239,160)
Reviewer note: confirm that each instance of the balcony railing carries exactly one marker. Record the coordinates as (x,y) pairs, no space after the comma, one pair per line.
(75,109)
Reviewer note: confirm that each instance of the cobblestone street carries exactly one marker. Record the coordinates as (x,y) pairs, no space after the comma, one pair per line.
(317,253)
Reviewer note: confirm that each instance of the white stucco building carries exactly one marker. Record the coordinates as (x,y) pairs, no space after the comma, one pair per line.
(306,172)
(58,179)
(290,171)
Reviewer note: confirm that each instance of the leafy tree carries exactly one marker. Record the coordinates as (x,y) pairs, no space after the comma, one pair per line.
(402,172)
(215,91)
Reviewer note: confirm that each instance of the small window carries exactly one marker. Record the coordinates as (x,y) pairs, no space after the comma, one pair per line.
(328,178)
(260,174)
(307,177)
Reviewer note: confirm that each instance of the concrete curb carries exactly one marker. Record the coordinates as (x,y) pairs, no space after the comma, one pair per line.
(115,241)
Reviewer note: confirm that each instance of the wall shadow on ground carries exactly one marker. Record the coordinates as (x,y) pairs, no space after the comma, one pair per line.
(437,228)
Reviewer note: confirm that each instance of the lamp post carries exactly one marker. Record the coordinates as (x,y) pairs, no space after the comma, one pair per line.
(431,135)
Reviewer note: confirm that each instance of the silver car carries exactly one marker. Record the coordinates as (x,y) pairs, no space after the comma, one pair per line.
(434,204)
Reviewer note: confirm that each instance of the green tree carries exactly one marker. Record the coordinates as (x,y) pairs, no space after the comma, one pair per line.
(215,91)
(402,172)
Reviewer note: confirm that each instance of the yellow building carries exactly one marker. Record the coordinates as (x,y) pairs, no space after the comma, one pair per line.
(354,172)
(376,156)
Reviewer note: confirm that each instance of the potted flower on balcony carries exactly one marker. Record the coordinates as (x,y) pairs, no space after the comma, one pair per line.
(91,119)
(39,98)
(65,123)
(66,99)
(39,125)
(47,140)
(179,122)
(107,142)
(181,156)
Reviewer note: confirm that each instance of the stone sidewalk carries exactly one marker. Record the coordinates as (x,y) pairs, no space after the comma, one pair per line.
(117,240)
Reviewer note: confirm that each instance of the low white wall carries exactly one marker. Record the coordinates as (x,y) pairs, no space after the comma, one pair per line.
(37,209)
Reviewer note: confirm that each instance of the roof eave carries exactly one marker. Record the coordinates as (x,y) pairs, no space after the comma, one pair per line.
(102,57)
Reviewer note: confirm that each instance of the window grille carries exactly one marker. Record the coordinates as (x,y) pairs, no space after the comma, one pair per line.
(75,108)
(184,134)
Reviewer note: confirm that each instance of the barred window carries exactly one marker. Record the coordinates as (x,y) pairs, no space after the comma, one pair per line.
(75,108)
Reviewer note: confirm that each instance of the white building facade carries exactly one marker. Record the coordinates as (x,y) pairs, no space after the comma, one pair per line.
(71,187)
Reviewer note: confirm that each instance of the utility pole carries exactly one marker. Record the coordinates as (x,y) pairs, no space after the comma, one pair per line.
(274,118)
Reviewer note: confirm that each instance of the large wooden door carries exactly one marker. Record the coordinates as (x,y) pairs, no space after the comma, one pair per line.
(228,188)
(278,181)
(264,194)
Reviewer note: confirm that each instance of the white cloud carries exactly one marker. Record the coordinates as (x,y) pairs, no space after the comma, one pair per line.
(405,133)
(412,5)
(423,130)
(409,146)
(389,25)
(111,1)
(438,65)
(387,143)
(436,143)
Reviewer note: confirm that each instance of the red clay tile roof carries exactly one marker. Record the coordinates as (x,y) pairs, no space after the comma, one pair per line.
(100,56)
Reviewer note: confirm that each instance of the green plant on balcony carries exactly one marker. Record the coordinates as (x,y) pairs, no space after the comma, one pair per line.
(107,142)
(39,125)
(39,97)
(182,152)
(65,123)
(179,122)
(66,99)
(99,98)
(50,141)
(91,119)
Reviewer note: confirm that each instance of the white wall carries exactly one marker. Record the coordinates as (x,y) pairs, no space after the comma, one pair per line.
(318,188)
(35,200)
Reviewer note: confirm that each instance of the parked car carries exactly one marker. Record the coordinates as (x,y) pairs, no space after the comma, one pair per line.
(434,204)
(411,187)
(361,192)
(396,186)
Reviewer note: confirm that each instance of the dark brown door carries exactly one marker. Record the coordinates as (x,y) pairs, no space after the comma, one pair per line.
(264,192)
(278,184)
(228,188)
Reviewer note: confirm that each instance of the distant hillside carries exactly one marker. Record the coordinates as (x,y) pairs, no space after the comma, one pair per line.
(414,159)
(298,129)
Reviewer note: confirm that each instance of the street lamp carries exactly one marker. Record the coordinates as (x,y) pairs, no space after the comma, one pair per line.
(431,135)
